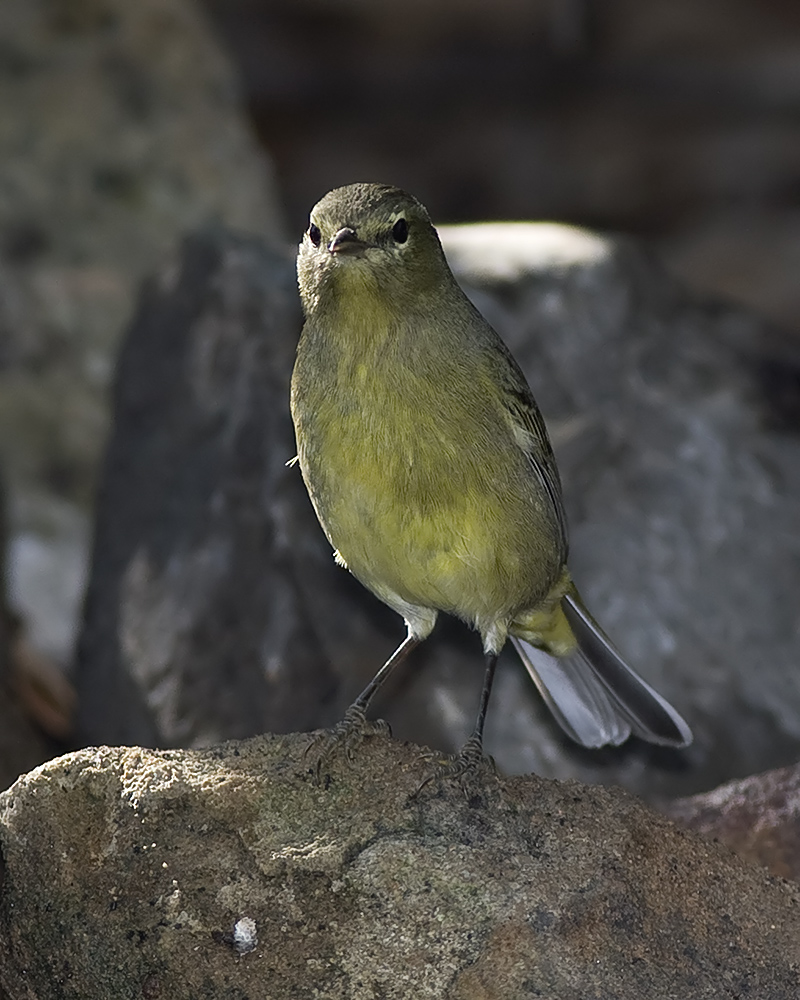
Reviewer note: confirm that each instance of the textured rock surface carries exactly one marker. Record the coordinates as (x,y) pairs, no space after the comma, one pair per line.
(121,128)
(214,593)
(126,871)
(758,817)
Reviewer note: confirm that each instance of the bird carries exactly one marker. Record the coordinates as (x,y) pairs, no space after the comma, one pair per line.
(429,467)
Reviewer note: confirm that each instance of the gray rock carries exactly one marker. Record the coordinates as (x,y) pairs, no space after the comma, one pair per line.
(195,626)
(122,128)
(230,873)
(215,609)
(757,817)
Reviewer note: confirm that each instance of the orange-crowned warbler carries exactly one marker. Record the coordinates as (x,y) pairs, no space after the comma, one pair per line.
(428,464)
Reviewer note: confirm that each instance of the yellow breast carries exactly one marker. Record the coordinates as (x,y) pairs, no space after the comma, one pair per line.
(414,505)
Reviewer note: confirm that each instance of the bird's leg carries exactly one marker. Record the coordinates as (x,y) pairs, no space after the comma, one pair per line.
(360,705)
(354,726)
(473,748)
(470,757)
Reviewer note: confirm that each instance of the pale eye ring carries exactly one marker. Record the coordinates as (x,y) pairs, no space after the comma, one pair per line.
(400,231)
(314,234)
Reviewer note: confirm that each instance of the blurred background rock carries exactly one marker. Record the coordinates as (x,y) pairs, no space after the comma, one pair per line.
(120,129)
(122,126)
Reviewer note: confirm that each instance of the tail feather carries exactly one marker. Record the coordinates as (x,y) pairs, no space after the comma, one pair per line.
(578,701)
(593,694)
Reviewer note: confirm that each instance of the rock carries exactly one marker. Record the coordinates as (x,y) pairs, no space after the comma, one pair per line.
(195,627)
(215,609)
(756,817)
(229,872)
(122,128)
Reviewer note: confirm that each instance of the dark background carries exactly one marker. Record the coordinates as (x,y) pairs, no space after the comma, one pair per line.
(675,120)
(121,130)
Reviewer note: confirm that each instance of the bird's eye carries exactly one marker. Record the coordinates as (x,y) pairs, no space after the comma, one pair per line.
(314,234)
(400,231)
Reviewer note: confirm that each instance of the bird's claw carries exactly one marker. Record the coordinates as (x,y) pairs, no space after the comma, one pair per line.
(464,766)
(348,734)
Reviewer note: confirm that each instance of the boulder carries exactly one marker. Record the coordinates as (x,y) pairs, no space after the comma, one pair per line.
(196,626)
(757,817)
(229,873)
(674,424)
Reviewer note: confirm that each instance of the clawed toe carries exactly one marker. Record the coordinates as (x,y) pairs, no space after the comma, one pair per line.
(464,767)
(347,734)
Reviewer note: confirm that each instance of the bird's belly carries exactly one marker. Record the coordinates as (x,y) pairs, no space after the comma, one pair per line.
(439,538)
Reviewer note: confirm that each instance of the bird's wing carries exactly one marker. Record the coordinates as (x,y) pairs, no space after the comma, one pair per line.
(530,433)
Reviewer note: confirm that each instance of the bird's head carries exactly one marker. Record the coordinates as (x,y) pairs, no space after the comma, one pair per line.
(369,240)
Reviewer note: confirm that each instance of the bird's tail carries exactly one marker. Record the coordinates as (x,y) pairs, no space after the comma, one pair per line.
(594,695)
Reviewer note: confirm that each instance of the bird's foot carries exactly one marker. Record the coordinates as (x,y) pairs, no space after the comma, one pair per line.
(347,734)
(464,767)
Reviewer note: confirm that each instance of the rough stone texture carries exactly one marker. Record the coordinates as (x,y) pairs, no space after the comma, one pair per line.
(215,609)
(126,871)
(758,817)
(120,129)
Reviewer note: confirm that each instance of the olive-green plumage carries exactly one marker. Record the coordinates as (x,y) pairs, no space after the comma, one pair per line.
(426,457)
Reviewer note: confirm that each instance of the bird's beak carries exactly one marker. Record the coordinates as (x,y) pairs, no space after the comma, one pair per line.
(346,241)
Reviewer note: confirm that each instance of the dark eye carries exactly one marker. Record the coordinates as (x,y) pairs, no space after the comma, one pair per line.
(400,231)
(314,234)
